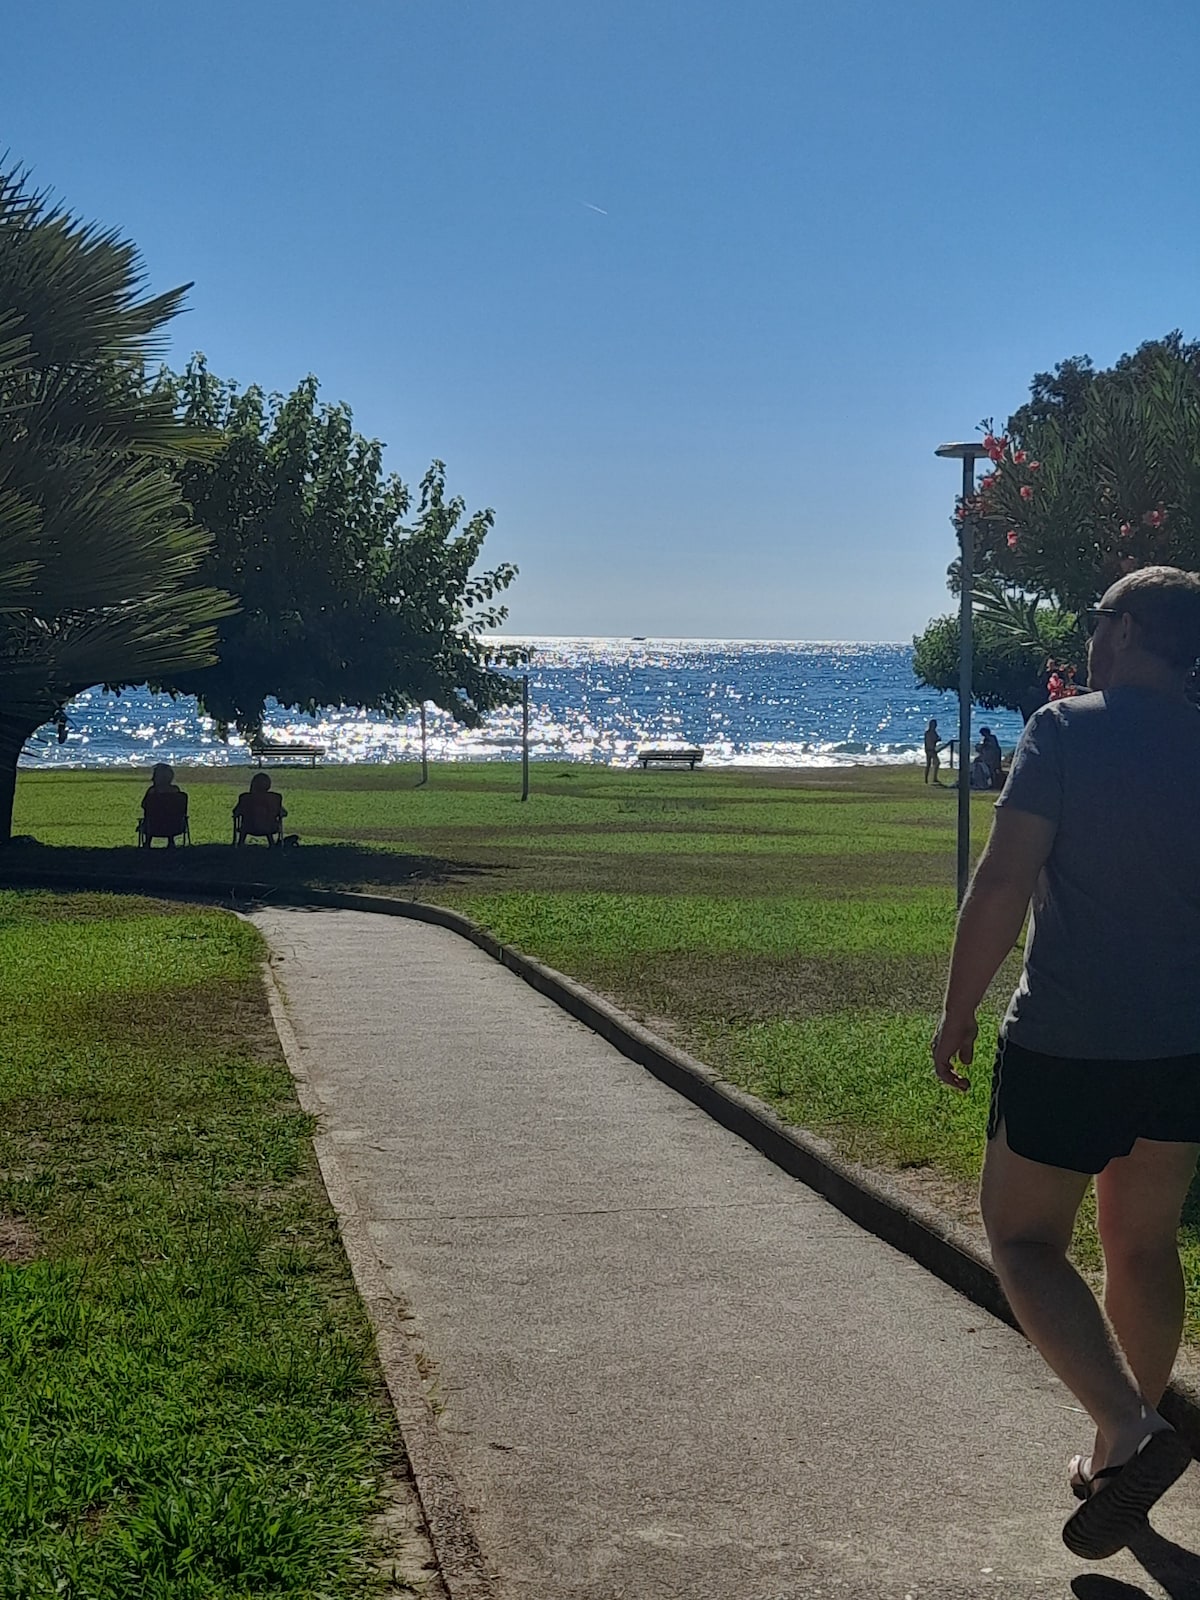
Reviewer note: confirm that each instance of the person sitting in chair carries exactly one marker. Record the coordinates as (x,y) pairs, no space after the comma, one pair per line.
(259,811)
(981,773)
(989,746)
(164,809)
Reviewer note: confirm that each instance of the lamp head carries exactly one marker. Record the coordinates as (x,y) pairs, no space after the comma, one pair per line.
(961,452)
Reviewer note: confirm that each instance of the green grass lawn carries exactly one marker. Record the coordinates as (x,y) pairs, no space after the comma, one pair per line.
(790,927)
(191,1406)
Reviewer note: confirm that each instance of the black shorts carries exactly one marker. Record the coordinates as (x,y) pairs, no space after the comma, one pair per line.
(1068,1112)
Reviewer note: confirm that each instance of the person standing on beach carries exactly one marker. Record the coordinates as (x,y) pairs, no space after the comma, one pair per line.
(992,755)
(1097,1073)
(933,744)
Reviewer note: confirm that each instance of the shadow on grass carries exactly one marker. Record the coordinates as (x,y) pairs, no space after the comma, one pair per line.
(318,866)
(363,865)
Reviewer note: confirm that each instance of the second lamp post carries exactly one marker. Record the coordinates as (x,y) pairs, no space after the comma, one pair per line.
(968,454)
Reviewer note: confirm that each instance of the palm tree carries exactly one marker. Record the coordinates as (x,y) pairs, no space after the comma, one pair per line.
(98,550)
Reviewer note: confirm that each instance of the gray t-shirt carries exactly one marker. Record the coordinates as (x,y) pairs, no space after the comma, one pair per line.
(1112,958)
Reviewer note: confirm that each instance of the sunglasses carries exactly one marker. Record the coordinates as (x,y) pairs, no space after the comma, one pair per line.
(1092,619)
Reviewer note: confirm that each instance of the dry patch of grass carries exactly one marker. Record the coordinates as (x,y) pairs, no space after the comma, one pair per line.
(728,986)
(19,1241)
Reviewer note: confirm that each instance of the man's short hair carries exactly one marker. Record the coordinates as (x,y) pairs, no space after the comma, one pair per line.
(1165,604)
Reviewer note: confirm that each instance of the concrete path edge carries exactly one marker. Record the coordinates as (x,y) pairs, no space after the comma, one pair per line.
(447,1520)
(918,1231)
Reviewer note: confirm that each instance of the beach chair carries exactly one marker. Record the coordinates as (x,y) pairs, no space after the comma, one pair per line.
(164,816)
(259,814)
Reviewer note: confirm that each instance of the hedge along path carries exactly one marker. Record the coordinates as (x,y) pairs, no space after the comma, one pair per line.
(192,1405)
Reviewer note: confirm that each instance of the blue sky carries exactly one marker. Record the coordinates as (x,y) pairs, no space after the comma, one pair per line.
(687,291)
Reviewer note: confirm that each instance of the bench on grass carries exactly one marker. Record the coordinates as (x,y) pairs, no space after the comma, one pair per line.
(690,755)
(264,750)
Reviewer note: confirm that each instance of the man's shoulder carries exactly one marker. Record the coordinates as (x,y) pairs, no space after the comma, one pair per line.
(1075,706)
(1120,723)
(1076,712)
(1075,723)
(1124,707)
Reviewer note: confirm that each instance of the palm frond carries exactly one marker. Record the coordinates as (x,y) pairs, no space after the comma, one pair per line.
(99,555)
(1014,616)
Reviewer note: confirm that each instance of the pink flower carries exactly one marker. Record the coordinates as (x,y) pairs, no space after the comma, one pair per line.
(986,483)
(1155,519)
(994,447)
(1026,492)
(1035,466)
(1019,457)
(1014,538)
(1058,688)
(1126,530)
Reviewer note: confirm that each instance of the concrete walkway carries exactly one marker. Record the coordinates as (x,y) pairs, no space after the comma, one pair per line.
(668,1369)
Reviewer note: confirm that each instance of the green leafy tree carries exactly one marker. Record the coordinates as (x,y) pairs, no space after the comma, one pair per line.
(98,552)
(1010,663)
(1086,489)
(1096,475)
(342,599)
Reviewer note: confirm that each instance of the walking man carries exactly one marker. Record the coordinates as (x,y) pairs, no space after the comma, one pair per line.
(1098,1067)
(932,746)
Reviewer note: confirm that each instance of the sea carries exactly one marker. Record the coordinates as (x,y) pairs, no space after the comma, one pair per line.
(754,703)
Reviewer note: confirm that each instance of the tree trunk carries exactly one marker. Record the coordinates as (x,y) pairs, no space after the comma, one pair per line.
(8,789)
(12,742)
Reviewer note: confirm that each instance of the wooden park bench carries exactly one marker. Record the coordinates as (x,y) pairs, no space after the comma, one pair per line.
(264,750)
(691,755)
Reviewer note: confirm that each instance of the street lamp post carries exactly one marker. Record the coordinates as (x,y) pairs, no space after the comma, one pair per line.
(968,454)
(525,736)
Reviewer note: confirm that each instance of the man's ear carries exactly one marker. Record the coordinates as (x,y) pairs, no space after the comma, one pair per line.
(1126,637)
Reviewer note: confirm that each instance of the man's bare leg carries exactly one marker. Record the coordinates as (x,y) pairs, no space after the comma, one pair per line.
(1139,1198)
(1029,1213)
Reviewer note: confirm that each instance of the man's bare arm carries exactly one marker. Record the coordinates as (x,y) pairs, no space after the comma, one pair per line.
(989,924)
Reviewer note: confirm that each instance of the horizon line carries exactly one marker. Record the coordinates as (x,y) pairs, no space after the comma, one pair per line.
(679,638)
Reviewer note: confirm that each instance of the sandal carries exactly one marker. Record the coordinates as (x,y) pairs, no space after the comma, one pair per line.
(1106,1522)
(1083,1480)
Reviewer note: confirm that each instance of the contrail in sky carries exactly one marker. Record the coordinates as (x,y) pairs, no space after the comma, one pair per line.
(591,207)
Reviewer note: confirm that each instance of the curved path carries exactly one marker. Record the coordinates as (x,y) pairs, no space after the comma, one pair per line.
(668,1369)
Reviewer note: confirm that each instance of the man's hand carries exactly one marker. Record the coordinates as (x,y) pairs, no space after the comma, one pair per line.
(955,1037)
(988,925)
